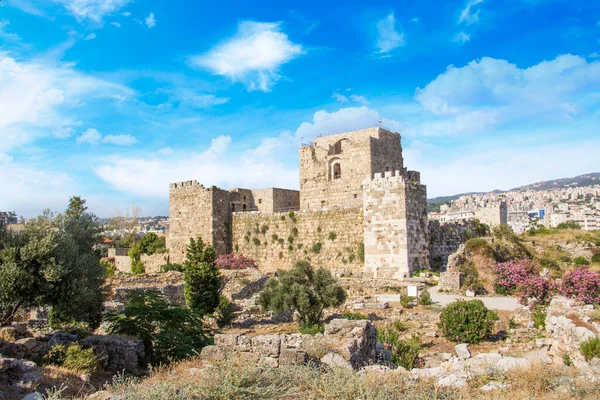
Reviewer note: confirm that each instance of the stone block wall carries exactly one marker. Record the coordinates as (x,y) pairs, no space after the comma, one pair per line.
(287,240)
(332,167)
(450,280)
(152,263)
(190,216)
(395,230)
(445,239)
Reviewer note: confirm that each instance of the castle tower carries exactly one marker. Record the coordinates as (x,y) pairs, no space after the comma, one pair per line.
(395,224)
(332,168)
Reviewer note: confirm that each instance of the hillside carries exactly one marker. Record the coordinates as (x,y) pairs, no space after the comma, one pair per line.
(577,181)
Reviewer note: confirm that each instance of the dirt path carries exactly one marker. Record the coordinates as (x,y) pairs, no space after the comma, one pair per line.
(495,303)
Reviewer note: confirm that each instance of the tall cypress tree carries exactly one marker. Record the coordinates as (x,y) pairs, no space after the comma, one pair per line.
(202,278)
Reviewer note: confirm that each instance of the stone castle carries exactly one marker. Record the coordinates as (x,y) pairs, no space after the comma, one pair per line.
(358,210)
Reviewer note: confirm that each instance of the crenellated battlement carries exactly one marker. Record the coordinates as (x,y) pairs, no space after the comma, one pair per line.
(191,185)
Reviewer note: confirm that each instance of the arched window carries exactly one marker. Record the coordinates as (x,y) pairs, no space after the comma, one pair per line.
(337,171)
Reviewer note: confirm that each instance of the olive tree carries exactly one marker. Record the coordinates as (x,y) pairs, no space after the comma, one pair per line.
(304,290)
(53,263)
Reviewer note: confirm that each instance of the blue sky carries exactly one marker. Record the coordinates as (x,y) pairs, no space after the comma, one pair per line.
(115,99)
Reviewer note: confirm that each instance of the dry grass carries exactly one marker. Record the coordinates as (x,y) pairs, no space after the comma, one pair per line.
(579,322)
(595,314)
(233,380)
(7,336)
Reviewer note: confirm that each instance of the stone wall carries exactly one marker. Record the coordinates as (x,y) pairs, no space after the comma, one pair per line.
(170,284)
(288,239)
(567,325)
(352,345)
(450,280)
(395,228)
(152,263)
(190,216)
(332,167)
(445,239)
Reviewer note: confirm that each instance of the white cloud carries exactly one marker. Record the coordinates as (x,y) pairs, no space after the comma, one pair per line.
(7,35)
(91,136)
(165,151)
(150,20)
(387,37)
(594,55)
(340,98)
(253,56)
(120,140)
(359,99)
(25,6)
(461,37)
(94,138)
(91,36)
(190,98)
(470,13)
(556,89)
(218,165)
(126,14)
(118,25)
(38,96)
(62,132)
(93,10)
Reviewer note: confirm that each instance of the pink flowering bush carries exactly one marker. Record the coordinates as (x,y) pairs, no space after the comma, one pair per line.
(510,275)
(582,284)
(536,291)
(233,261)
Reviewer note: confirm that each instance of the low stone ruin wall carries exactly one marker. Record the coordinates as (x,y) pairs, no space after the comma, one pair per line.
(567,325)
(351,344)
(450,280)
(118,353)
(170,284)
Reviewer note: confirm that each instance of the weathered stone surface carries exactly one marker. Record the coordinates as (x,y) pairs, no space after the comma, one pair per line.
(462,350)
(293,357)
(373,369)
(335,360)
(225,340)
(354,340)
(452,380)
(212,353)
(118,353)
(267,345)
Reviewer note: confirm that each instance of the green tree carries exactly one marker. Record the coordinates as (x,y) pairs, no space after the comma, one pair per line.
(53,262)
(305,290)
(202,278)
(170,332)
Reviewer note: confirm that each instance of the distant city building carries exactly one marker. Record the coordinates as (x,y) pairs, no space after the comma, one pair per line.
(8,218)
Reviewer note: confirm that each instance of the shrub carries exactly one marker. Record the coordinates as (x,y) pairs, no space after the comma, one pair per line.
(294,231)
(292,216)
(74,358)
(549,263)
(511,274)
(224,313)
(290,248)
(316,248)
(299,246)
(150,244)
(590,348)
(53,263)
(406,301)
(305,290)
(536,291)
(354,316)
(405,353)
(202,278)
(109,269)
(596,258)
(425,298)
(311,329)
(361,252)
(274,237)
(256,241)
(539,318)
(351,257)
(170,332)
(171,267)
(567,360)
(280,240)
(581,261)
(466,321)
(595,314)
(332,236)
(568,225)
(235,261)
(290,239)
(137,268)
(581,284)
(480,246)
(264,228)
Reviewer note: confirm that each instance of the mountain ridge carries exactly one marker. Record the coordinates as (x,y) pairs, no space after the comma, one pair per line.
(576,181)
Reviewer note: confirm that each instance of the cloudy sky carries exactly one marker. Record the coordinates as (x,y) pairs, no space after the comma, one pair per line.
(114,99)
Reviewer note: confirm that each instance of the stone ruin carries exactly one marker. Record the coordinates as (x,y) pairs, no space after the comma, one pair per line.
(355,197)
